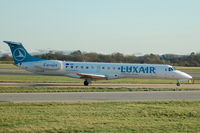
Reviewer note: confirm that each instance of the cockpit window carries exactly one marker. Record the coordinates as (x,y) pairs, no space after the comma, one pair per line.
(170,69)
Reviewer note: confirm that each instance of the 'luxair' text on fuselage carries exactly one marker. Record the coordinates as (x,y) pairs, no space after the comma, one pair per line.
(138,69)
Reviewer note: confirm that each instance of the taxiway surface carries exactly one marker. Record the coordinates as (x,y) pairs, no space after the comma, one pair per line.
(100,96)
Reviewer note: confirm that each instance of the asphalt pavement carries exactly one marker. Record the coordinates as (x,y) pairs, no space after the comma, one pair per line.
(100,96)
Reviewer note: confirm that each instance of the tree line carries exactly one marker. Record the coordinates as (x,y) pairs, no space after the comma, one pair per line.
(176,60)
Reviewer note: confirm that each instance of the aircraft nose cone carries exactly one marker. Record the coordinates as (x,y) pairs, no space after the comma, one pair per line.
(186,76)
(182,76)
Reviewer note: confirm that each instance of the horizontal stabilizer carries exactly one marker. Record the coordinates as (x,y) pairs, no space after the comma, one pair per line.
(13,43)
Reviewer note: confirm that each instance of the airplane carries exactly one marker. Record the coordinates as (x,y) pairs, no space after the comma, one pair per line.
(91,71)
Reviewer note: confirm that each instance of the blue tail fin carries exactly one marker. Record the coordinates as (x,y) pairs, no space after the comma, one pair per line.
(19,53)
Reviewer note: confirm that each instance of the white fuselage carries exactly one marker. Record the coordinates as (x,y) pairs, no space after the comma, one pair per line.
(108,70)
(92,70)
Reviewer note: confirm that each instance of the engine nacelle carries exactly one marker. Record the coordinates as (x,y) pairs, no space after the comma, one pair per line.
(49,64)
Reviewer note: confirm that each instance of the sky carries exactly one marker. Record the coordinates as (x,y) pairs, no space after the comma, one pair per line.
(103,26)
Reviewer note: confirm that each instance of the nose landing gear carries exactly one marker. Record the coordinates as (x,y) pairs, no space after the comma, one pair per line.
(178,83)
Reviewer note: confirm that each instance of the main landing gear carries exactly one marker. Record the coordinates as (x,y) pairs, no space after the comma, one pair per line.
(87,82)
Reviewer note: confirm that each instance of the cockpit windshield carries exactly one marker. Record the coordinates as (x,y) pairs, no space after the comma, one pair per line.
(170,69)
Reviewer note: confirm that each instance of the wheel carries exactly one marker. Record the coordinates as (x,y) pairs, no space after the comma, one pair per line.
(178,84)
(86,83)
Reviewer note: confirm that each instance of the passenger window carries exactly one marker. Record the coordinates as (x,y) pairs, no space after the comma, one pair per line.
(108,68)
(76,67)
(72,66)
(81,67)
(103,67)
(86,67)
(118,68)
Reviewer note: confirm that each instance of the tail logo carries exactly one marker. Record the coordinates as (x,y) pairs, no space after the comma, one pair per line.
(19,54)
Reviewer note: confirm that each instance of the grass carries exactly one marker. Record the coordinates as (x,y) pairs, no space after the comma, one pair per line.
(6,62)
(33,78)
(84,89)
(168,116)
(8,66)
(188,68)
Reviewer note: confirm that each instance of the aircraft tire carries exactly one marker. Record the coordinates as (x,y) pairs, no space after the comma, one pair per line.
(178,84)
(86,83)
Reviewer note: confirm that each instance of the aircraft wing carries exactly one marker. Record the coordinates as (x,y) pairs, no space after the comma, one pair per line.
(91,76)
